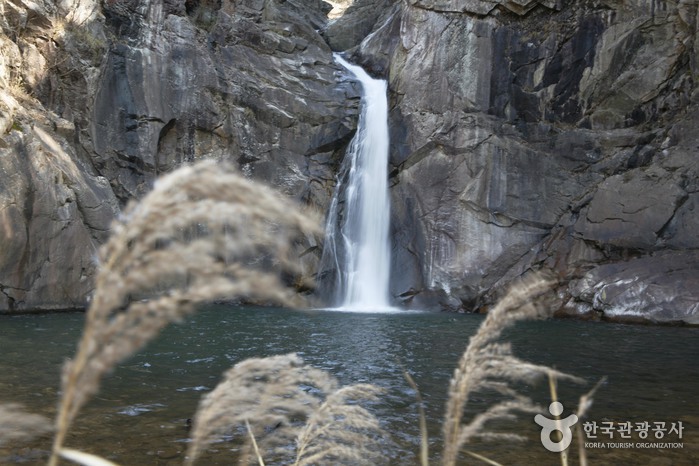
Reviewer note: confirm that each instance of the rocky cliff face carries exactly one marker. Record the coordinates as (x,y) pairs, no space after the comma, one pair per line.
(526,135)
(98,98)
(532,135)
(54,207)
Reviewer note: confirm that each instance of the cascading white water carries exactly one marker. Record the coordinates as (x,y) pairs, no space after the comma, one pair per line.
(360,249)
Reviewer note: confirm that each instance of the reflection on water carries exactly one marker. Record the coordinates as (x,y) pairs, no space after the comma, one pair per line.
(140,415)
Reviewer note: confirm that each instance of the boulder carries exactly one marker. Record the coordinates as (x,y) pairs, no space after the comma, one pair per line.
(660,288)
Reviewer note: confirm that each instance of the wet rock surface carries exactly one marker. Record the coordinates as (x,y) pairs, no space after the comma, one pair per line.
(526,135)
(555,137)
(127,90)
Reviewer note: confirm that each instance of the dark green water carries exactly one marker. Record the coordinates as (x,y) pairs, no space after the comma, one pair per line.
(139,416)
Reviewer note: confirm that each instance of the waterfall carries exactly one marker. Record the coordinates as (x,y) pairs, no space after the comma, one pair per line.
(357,245)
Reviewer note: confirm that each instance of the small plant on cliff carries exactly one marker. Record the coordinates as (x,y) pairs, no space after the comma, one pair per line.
(17,87)
(87,44)
(203,13)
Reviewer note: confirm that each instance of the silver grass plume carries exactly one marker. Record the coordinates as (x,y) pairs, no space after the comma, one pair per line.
(203,233)
(341,431)
(488,365)
(18,425)
(287,406)
(265,392)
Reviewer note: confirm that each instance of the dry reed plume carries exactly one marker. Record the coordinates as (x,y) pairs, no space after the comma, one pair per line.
(204,233)
(342,432)
(288,406)
(265,392)
(18,425)
(489,365)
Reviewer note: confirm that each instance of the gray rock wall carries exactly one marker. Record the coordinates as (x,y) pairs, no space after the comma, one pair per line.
(55,209)
(248,81)
(526,135)
(552,136)
(98,98)
(55,214)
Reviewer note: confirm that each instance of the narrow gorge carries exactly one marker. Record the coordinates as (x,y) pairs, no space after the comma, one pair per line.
(525,136)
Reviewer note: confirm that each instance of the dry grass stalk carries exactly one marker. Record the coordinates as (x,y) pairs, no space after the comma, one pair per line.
(18,425)
(275,398)
(86,459)
(485,459)
(583,406)
(553,388)
(424,440)
(204,233)
(488,365)
(258,455)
